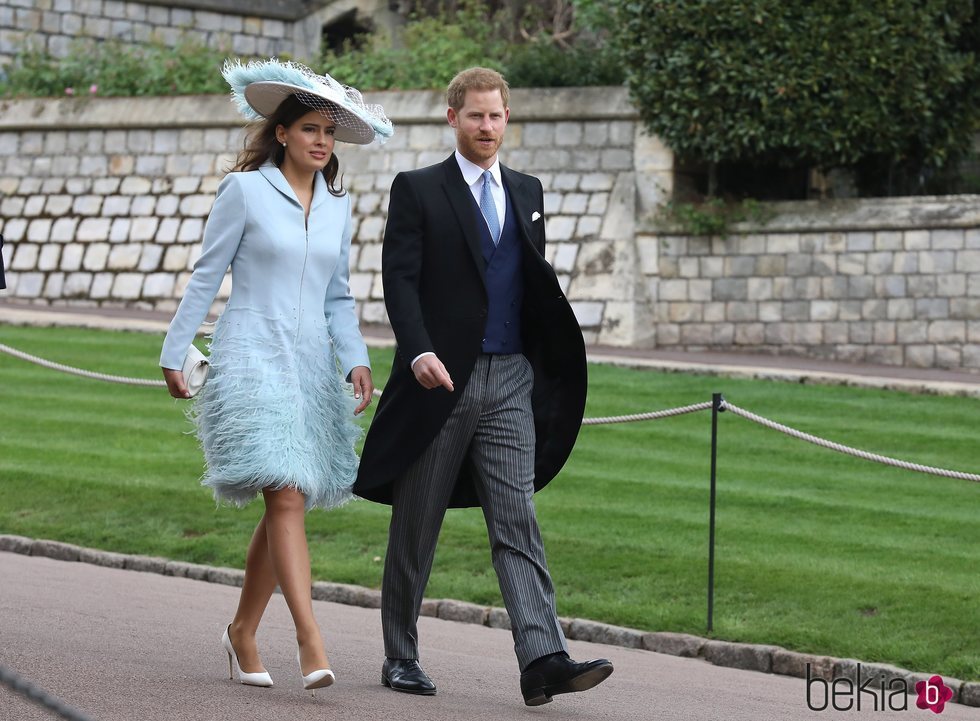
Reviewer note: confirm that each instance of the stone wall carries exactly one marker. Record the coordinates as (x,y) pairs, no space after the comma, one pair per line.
(891,281)
(247,28)
(103,201)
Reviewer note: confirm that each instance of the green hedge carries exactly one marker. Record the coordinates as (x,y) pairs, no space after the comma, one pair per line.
(112,68)
(829,83)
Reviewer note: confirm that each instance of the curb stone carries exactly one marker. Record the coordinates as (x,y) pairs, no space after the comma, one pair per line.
(746,656)
(673,644)
(752,657)
(791,663)
(970,693)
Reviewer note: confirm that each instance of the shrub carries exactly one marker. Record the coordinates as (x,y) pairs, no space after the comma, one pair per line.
(114,68)
(434,50)
(435,47)
(829,83)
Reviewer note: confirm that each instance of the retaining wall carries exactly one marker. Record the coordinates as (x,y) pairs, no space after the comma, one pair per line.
(103,202)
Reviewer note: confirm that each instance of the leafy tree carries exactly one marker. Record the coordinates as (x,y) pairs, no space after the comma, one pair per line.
(819,82)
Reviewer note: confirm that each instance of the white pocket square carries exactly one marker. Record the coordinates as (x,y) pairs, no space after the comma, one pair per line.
(535,216)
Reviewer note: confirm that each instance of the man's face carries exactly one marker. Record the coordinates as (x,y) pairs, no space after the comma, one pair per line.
(480,126)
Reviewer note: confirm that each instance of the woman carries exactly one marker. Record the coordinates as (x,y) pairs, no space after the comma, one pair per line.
(273,417)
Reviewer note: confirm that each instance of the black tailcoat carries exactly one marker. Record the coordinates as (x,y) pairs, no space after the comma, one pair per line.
(435,295)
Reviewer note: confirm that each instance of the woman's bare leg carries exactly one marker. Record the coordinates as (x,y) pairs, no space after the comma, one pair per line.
(285,527)
(258,587)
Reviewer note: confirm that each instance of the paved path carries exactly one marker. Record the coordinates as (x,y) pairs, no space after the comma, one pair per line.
(128,646)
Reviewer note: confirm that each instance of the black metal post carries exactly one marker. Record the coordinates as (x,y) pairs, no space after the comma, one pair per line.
(716,408)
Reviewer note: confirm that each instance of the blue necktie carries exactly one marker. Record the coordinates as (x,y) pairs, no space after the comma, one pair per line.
(489,208)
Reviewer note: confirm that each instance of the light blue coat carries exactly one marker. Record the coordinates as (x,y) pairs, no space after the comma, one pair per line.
(289,275)
(274,412)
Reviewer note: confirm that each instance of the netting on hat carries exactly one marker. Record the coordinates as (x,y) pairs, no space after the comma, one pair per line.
(342,104)
(337,113)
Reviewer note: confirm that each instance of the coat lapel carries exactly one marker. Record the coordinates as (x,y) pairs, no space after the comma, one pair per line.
(278,181)
(520,203)
(461,201)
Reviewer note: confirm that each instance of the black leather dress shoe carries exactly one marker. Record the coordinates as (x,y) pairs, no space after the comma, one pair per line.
(557,673)
(405,674)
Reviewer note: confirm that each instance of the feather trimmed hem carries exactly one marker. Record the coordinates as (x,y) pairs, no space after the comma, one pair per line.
(273,419)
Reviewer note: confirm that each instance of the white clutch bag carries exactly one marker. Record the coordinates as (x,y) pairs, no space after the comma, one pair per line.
(195,370)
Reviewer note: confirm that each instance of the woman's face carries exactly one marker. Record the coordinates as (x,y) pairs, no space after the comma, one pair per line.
(309,142)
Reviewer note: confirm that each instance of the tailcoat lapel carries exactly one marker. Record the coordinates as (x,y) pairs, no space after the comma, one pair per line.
(461,201)
(518,199)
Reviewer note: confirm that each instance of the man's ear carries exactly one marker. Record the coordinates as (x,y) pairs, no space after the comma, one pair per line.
(451,117)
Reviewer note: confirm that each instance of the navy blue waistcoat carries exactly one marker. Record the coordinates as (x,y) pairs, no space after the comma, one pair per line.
(505,284)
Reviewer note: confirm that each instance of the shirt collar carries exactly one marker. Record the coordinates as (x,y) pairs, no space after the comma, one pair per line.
(472,172)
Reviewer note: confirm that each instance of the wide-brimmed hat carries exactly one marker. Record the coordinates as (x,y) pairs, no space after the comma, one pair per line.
(259,87)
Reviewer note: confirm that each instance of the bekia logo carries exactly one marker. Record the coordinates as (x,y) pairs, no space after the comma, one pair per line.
(933,694)
(871,694)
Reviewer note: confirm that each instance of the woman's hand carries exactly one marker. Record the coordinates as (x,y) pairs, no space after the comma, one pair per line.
(175,383)
(363,387)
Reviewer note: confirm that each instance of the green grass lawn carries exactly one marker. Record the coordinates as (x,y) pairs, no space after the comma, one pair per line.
(816,551)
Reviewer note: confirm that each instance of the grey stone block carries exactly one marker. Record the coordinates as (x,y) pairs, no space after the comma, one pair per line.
(970,693)
(347,594)
(106,559)
(16,544)
(430,607)
(790,663)
(175,568)
(196,571)
(463,612)
(226,576)
(596,632)
(146,564)
(56,550)
(850,668)
(580,630)
(498,618)
(674,644)
(750,657)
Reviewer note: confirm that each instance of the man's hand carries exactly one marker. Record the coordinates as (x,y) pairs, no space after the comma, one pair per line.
(360,377)
(431,373)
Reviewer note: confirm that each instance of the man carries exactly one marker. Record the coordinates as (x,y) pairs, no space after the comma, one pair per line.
(486,393)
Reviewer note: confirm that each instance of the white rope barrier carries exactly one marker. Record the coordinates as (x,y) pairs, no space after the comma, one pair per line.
(651,416)
(630,418)
(840,448)
(78,371)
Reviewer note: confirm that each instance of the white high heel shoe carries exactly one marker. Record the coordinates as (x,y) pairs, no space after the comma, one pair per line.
(262,678)
(318,679)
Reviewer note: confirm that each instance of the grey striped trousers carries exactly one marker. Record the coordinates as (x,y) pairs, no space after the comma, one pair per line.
(493,424)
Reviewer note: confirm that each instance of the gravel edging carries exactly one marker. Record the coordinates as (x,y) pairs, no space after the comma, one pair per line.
(746,656)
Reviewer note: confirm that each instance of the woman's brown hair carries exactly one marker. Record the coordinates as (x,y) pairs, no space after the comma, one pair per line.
(261,144)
